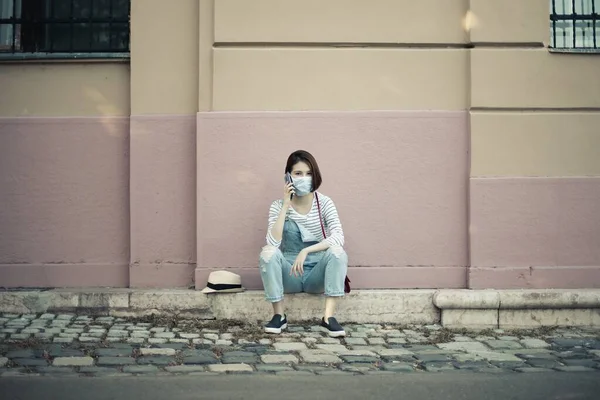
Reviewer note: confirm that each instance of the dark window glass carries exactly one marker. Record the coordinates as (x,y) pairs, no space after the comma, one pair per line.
(72,26)
(574,25)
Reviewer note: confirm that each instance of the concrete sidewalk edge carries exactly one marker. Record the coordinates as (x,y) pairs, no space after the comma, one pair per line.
(474,309)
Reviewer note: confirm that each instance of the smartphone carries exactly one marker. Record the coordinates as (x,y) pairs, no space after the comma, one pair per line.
(288,179)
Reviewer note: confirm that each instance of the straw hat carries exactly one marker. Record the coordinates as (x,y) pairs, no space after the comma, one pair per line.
(223,282)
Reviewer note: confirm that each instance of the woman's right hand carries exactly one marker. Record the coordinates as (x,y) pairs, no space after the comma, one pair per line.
(288,190)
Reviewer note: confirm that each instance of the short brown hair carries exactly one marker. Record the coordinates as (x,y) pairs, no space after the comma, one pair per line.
(306,157)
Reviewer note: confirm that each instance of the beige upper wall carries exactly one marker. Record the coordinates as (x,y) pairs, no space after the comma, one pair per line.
(379,21)
(509,21)
(535,143)
(164,57)
(339,79)
(64,89)
(526,78)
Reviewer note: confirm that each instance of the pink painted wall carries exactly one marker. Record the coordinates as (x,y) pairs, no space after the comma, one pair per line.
(399,180)
(163,200)
(535,232)
(74,202)
(64,214)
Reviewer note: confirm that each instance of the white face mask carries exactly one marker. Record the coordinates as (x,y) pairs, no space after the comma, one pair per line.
(303,185)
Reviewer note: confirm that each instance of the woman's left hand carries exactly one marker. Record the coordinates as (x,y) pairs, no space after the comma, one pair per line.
(298,267)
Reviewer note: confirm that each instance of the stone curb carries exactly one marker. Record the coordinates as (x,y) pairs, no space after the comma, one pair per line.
(517,299)
(526,308)
(467,299)
(454,308)
(361,306)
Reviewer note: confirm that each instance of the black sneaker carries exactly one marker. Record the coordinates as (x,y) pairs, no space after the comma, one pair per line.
(334,328)
(277,324)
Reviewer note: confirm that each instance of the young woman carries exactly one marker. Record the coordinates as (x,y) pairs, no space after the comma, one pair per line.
(304,251)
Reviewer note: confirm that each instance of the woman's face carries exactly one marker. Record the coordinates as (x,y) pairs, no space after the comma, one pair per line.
(301,169)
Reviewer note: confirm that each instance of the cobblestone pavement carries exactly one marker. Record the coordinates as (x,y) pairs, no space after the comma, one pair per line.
(82,345)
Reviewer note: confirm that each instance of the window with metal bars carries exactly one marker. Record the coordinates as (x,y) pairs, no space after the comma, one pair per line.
(575,25)
(64,26)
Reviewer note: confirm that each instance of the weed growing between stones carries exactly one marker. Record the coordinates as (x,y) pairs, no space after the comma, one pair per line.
(443,336)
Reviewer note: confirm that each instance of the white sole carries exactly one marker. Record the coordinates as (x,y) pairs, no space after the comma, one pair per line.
(337,334)
(276,330)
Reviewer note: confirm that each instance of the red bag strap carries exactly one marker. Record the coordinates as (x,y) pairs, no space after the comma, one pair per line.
(347,288)
(320,216)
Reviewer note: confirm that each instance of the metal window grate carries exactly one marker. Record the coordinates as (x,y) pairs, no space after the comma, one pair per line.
(575,25)
(64,26)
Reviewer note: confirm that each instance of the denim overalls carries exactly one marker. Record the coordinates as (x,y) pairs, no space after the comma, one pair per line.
(324,271)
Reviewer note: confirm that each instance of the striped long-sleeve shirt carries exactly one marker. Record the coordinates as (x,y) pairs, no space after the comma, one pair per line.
(310,221)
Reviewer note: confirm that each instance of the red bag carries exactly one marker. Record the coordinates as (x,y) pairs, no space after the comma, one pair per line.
(347,288)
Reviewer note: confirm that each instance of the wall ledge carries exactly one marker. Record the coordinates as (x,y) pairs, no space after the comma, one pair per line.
(471,309)
(517,299)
